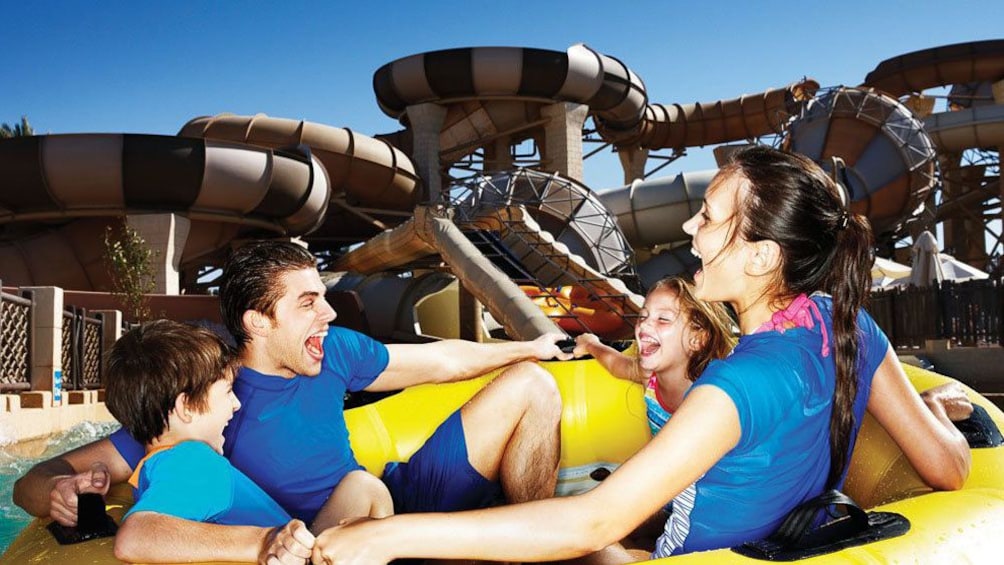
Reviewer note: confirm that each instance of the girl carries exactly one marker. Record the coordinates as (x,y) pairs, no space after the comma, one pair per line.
(766,428)
(676,336)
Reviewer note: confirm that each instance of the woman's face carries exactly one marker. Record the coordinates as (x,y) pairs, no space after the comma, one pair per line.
(662,332)
(722,274)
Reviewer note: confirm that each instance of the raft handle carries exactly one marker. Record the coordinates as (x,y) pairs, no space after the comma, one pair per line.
(980,429)
(800,537)
(92,522)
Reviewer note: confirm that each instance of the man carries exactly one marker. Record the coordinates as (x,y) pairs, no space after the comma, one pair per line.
(290,437)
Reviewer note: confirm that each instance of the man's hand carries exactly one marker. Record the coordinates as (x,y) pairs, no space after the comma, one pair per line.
(951,397)
(545,347)
(342,546)
(65,488)
(289,545)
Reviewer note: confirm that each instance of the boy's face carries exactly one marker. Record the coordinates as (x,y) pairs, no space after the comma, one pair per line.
(221,404)
(294,343)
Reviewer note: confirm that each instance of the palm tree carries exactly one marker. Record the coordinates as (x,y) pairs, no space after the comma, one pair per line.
(22,129)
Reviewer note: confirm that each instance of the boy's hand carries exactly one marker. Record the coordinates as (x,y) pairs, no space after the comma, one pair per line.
(289,545)
(65,488)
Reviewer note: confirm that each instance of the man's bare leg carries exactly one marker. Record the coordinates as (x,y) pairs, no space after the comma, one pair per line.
(360,494)
(512,432)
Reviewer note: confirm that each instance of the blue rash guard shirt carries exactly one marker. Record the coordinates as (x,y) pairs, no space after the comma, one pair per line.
(289,435)
(782,388)
(191,481)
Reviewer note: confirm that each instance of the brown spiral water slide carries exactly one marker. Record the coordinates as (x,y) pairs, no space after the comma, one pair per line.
(61,191)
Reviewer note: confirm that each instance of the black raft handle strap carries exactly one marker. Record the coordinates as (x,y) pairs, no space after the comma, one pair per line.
(802,519)
(807,532)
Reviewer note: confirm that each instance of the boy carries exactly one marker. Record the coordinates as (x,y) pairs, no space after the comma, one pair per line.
(170,385)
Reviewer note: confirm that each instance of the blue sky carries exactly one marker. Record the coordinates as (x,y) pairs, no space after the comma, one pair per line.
(146,67)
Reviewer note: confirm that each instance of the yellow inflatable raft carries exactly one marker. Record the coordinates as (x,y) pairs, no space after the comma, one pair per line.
(603,423)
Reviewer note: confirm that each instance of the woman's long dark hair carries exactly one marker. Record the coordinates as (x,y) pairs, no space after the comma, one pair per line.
(793,202)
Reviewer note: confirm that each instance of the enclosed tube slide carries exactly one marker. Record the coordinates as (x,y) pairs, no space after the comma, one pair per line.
(976,125)
(60,191)
(490,91)
(939,66)
(364,172)
(652,212)
(888,158)
(582,75)
(979,126)
(677,126)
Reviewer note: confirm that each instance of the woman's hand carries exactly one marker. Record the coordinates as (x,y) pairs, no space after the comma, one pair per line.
(349,544)
(951,398)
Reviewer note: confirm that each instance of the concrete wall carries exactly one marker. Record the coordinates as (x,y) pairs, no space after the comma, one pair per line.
(982,368)
(31,415)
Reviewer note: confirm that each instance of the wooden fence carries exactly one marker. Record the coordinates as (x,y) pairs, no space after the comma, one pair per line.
(968,314)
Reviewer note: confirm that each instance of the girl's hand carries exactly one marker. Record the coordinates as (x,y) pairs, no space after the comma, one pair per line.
(582,344)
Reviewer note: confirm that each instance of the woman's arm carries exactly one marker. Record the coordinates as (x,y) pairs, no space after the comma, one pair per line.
(615,362)
(932,444)
(704,429)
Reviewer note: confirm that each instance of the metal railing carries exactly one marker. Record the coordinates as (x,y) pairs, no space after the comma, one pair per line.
(81,350)
(969,314)
(15,341)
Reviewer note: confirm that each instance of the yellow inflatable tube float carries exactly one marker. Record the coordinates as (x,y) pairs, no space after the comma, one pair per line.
(603,423)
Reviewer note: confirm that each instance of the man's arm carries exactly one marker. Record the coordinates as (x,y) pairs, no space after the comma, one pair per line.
(456,360)
(50,488)
(150,537)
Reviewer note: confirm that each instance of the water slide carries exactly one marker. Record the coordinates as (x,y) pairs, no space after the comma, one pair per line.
(373,184)
(61,191)
(970,123)
(500,92)
(493,91)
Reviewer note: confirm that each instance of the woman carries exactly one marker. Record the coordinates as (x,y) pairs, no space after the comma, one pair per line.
(762,430)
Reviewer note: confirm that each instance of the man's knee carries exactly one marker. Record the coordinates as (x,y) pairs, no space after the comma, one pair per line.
(532,384)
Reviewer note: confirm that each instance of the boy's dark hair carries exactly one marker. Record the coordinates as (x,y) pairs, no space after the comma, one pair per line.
(251,280)
(151,365)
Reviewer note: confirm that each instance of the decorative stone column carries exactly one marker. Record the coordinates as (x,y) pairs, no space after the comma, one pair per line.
(563,138)
(498,155)
(46,348)
(426,122)
(111,331)
(165,235)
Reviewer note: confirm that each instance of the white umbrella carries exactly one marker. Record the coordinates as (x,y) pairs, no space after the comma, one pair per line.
(955,270)
(926,263)
(887,268)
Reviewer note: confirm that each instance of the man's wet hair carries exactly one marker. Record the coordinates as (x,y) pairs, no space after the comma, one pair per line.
(252,280)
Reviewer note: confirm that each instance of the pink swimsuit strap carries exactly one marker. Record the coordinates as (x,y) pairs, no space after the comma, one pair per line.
(798,314)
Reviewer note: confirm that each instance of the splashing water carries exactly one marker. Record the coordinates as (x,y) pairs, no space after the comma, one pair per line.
(13,465)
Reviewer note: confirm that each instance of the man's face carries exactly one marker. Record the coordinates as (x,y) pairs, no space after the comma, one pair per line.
(293,341)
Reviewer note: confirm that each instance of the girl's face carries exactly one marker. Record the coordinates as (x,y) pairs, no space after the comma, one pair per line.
(722,276)
(663,333)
